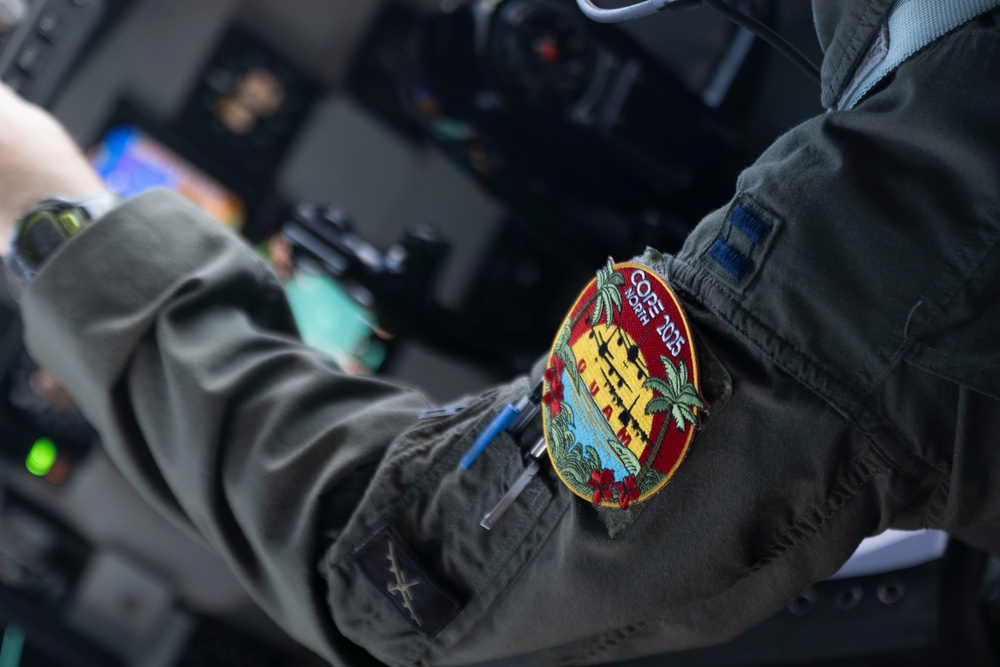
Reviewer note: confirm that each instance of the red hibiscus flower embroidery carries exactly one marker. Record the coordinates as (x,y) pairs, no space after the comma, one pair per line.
(628,491)
(603,484)
(557,365)
(553,378)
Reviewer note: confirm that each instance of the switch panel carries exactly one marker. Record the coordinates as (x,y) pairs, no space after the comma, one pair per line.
(41,40)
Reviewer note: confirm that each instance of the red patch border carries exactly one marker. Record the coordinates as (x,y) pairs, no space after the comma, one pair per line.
(695,378)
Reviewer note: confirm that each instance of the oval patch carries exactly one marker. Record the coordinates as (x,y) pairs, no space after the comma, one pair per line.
(621,396)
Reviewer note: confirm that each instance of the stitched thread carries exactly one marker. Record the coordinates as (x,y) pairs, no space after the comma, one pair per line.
(546,533)
(992,239)
(420,649)
(748,223)
(729,258)
(906,327)
(896,463)
(628,631)
(851,417)
(845,63)
(989,242)
(978,377)
(819,366)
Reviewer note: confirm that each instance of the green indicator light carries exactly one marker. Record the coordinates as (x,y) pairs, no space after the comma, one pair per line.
(41,457)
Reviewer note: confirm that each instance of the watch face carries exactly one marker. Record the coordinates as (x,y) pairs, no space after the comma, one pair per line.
(44,229)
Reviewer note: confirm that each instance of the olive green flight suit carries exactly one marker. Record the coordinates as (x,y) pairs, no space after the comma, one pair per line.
(860,339)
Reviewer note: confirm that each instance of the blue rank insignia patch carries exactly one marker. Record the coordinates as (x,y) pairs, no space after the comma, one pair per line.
(621,396)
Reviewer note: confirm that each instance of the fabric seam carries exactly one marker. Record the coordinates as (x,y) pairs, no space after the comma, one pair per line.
(848,47)
(804,535)
(514,576)
(850,416)
(438,467)
(819,366)
(937,372)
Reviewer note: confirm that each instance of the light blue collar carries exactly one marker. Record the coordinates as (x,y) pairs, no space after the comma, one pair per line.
(912,25)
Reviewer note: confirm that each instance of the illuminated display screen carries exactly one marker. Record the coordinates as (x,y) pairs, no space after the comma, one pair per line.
(130,162)
(334,323)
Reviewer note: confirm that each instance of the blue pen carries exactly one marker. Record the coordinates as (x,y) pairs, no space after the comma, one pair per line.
(502,421)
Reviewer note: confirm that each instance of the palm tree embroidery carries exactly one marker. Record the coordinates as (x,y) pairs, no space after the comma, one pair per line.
(607,298)
(678,397)
(609,303)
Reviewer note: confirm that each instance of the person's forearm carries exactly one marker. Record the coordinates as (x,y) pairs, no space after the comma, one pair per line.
(38,159)
(177,342)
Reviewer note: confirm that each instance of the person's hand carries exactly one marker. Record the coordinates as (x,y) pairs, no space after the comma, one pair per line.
(38,159)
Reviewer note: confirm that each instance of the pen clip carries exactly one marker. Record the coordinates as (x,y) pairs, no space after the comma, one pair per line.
(442,411)
(530,411)
(499,423)
(534,465)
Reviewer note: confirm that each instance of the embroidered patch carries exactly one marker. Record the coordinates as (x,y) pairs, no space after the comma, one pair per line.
(621,395)
(397,574)
(739,249)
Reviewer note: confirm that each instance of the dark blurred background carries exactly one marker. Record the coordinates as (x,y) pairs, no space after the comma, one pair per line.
(435,182)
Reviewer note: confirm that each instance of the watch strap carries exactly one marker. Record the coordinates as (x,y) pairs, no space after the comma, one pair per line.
(40,232)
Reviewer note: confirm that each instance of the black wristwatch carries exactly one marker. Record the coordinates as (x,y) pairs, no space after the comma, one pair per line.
(47,226)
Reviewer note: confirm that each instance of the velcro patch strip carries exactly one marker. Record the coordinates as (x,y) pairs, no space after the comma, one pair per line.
(395,571)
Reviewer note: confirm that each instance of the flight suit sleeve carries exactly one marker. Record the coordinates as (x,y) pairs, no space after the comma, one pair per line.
(350,520)
(178,345)
(849,295)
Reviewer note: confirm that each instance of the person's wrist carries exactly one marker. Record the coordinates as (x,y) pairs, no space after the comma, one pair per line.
(38,160)
(40,232)
(22,206)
